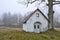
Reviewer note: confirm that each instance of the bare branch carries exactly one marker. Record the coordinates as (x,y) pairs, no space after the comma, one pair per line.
(33,1)
(56,2)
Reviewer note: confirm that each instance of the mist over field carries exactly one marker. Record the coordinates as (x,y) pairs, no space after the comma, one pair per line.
(12,12)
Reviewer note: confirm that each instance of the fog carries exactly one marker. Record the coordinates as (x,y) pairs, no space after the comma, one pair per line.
(14,7)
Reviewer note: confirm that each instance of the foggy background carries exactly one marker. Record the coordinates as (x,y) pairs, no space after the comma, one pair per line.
(12,13)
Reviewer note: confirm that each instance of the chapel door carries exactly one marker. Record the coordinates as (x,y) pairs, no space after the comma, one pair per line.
(37,27)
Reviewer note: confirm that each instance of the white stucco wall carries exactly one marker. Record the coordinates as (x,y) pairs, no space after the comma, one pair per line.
(29,25)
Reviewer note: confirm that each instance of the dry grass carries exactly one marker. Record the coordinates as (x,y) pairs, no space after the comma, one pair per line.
(58,29)
(7,33)
(9,28)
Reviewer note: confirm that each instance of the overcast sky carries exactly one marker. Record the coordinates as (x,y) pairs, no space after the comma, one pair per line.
(11,6)
(14,7)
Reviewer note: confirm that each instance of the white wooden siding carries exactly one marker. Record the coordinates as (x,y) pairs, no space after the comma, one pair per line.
(29,25)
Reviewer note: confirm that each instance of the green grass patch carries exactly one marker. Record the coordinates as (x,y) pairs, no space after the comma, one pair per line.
(21,35)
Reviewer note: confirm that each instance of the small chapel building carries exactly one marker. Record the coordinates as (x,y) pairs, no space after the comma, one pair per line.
(36,22)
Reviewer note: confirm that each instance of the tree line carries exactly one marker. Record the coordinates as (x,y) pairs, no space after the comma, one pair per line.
(9,19)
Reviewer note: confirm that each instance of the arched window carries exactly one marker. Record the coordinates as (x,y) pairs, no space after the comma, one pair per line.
(37,14)
(34,26)
(38,26)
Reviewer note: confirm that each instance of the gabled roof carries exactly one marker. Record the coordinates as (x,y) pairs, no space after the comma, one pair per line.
(27,17)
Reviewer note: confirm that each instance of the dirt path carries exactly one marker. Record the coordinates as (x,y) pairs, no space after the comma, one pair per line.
(58,29)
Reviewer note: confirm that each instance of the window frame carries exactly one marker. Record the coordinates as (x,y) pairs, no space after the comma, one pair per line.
(34,26)
(37,14)
(38,26)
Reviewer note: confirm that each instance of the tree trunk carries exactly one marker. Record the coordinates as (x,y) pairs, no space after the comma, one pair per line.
(50,14)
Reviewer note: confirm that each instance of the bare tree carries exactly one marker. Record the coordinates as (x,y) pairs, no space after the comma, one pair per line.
(50,13)
(9,18)
(14,19)
(1,22)
(5,18)
(20,17)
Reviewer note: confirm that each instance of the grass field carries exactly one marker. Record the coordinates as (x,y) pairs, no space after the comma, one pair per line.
(18,34)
